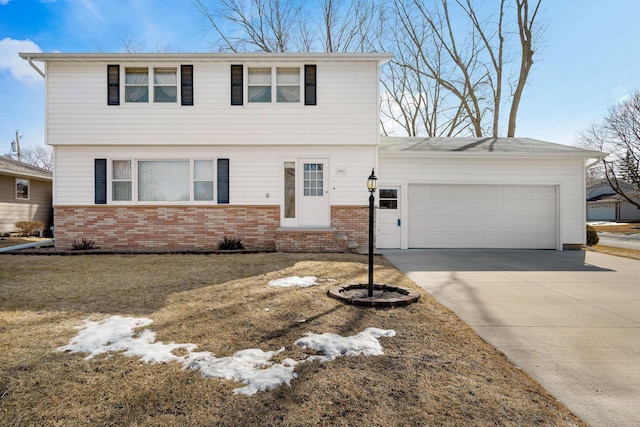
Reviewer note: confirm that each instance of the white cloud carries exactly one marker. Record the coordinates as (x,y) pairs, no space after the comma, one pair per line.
(11,62)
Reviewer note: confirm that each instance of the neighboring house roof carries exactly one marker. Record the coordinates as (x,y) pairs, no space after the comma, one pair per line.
(602,182)
(611,198)
(474,147)
(15,168)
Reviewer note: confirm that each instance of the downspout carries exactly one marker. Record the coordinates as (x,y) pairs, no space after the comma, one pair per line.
(27,245)
(35,67)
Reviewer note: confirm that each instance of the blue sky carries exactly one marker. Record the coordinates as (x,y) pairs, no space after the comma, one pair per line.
(588,63)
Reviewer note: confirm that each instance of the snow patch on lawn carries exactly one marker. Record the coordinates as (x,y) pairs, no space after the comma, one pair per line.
(334,346)
(253,367)
(288,282)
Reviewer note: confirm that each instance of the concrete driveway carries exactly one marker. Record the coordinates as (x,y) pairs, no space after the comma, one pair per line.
(570,319)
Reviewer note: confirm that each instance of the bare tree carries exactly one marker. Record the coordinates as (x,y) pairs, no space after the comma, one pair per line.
(39,156)
(347,25)
(457,64)
(619,135)
(466,62)
(263,25)
(526,31)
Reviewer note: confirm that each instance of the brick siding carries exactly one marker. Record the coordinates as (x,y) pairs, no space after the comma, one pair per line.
(166,227)
(320,240)
(353,221)
(202,227)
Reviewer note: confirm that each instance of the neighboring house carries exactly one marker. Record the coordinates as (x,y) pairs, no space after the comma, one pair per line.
(604,204)
(25,194)
(181,150)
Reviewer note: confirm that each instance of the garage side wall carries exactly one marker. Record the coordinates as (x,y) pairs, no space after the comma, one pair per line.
(564,173)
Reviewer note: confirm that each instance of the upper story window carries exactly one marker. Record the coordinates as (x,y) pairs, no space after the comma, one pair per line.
(288,84)
(165,85)
(274,85)
(261,81)
(22,189)
(259,85)
(151,84)
(136,87)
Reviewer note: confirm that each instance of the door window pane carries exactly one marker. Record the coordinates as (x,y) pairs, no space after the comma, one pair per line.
(313,179)
(289,189)
(388,199)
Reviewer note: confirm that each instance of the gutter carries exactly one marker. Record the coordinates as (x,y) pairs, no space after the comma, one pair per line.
(35,67)
(27,245)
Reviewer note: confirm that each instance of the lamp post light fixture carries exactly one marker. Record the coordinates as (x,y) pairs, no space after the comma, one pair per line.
(372,184)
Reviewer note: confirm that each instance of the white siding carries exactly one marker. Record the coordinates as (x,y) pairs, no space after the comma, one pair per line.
(78,114)
(566,173)
(254,171)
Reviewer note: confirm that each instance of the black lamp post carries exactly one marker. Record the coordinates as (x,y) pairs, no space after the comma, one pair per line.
(372,184)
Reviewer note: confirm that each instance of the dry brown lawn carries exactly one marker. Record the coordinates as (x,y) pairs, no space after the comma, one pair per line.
(632,228)
(610,250)
(436,371)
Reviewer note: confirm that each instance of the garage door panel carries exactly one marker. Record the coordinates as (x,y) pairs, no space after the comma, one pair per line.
(482,216)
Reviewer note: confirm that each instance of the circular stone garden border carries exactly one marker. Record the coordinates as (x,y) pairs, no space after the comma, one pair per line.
(383,295)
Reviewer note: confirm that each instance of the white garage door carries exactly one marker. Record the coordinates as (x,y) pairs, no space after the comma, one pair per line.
(482,216)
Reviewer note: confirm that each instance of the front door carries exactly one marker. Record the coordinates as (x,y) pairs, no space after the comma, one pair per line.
(389,218)
(313,193)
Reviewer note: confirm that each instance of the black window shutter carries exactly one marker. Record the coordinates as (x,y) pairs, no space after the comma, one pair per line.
(101,181)
(186,79)
(223,181)
(236,85)
(113,85)
(309,85)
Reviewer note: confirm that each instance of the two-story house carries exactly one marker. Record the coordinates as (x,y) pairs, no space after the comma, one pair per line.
(181,150)
(175,150)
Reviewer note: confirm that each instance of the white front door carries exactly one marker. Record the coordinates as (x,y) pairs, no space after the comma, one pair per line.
(313,193)
(389,225)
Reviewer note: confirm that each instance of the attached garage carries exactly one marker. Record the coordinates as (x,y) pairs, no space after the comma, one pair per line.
(482,216)
(511,193)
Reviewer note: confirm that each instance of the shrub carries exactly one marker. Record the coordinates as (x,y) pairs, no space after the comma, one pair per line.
(28,228)
(230,244)
(592,235)
(83,245)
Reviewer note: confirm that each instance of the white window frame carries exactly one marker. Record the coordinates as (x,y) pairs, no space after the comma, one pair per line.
(135,182)
(112,179)
(160,85)
(274,84)
(151,86)
(15,189)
